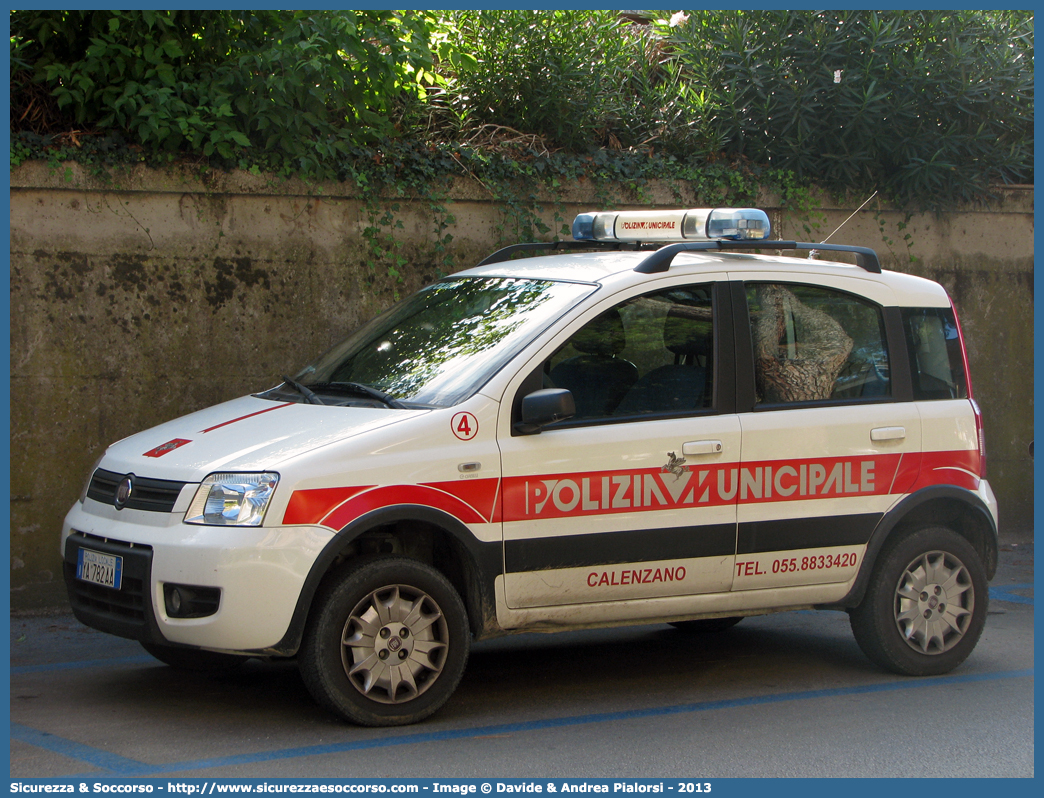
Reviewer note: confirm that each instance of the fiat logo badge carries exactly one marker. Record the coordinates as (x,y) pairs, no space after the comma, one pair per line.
(123,492)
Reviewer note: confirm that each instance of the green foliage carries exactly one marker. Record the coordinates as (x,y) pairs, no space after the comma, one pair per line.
(302,85)
(537,73)
(661,108)
(900,229)
(928,105)
(575,79)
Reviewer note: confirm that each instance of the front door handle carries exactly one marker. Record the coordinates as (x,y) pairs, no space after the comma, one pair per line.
(701,447)
(888,434)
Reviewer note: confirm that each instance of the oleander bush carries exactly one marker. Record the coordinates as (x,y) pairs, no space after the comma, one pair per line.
(920,104)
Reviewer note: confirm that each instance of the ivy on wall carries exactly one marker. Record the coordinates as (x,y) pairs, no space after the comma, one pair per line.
(927,107)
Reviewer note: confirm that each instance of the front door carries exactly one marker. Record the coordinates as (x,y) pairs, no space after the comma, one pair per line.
(621,502)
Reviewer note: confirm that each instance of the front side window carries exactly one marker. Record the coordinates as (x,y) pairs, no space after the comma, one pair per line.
(816,344)
(649,355)
(439,346)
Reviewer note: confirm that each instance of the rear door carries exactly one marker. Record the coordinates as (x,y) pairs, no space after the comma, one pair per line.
(830,435)
(620,502)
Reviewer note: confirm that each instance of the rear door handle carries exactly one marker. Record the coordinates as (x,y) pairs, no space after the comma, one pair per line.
(701,447)
(888,434)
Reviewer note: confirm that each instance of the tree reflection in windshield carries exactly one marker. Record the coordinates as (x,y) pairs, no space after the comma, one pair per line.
(442,344)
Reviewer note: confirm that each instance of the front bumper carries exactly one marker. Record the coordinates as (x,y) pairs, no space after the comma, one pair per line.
(258,571)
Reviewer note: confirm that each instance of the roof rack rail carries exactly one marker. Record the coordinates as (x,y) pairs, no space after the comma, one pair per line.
(660,261)
(507,252)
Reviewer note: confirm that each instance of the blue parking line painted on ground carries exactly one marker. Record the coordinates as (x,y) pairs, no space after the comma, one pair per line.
(138,659)
(112,763)
(997,593)
(1003,593)
(127,767)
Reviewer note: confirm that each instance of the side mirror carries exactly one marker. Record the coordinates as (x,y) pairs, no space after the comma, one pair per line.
(544,407)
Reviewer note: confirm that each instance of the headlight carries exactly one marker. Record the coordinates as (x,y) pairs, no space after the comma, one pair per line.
(232,499)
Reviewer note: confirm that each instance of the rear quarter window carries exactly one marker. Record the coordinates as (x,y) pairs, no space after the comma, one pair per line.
(936,361)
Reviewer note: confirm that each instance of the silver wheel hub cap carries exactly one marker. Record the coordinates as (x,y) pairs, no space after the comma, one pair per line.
(934,602)
(394,644)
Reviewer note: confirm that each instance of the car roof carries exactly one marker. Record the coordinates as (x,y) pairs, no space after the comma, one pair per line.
(615,266)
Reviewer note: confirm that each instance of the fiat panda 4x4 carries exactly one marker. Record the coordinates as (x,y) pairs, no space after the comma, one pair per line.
(650,424)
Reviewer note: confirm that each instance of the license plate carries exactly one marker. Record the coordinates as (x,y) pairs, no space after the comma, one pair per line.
(99,569)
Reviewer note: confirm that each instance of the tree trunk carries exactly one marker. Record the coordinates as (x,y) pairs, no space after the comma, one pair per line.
(797,361)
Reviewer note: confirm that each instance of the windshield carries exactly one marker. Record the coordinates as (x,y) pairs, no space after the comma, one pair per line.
(440,346)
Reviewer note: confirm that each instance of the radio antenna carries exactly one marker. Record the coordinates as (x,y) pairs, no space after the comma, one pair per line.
(812,253)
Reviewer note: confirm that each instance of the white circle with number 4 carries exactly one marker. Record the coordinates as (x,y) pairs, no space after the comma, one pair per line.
(464,426)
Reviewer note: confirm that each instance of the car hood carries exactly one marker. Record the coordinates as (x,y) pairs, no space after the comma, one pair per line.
(246,434)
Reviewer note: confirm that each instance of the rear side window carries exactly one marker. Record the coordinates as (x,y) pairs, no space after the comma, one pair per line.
(814,344)
(935,354)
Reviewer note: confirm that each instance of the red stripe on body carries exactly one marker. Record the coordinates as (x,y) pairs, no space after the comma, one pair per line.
(394,495)
(483,501)
(479,493)
(248,415)
(651,489)
(950,468)
(906,476)
(312,506)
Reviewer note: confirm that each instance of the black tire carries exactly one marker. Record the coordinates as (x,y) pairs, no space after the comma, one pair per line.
(705,625)
(194,659)
(424,625)
(925,606)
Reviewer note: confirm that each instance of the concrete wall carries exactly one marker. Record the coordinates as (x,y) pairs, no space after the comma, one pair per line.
(137,301)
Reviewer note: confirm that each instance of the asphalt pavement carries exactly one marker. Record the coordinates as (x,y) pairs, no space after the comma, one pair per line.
(786,695)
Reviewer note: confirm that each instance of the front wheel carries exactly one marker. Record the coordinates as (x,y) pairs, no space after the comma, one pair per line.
(386,643)
(925,606)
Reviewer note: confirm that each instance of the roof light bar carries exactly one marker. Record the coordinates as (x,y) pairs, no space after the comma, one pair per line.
(699,224)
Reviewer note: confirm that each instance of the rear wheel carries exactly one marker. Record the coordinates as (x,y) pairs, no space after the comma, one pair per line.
(704,625)
(386,643)
(194,659)
(925,606)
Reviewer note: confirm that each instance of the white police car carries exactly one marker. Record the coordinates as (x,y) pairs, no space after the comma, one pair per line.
(649,424)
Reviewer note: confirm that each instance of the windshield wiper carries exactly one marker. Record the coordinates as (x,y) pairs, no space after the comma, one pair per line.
(360,390)
(308,394)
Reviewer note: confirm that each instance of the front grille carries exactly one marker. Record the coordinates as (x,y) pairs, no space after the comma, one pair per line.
(153,495)
(124,612)
(127,603)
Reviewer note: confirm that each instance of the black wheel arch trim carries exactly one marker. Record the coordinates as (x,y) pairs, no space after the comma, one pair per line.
(901,512)
(488,558)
